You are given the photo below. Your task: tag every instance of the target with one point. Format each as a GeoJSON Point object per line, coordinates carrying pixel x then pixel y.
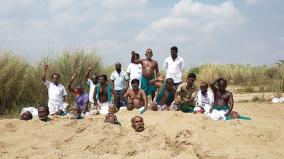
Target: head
{"type": "Point", "coordinates": [191, 77]}
{"type": "Point", "coordinates": [118, 67]}
{"type": "Point", "coordinates": [174, 52]}
{"type": "Point", "coordinates": [204, 87]}
{"type": "Point", "coordinates": [102, 79]}
{"type": "Point", "coordinates": [43, 112]}
{"type": "Point", "coordinates": [137, 123]}
{"type": "Point", "coordinates": [95, 79]}
{"type": "Point", "coordinates": [149, 54]}
{"type": "Point", "coordinates": [222, 84]}
{"type": "Point", "coordinates": [26, 116]}
{"type": "Point", "coordinates": [75, 112]}
{"type": "Point", "coordinates": [79, 89]}
{"type": "Point", "coordinates": [112, 109]}
{"type": "Point", "coordinates": [136, 56]}
{"type": "Point", "coordinates": [170, 84]}
{"type": "Point", "coordinates": [135, 84]}
{"type": "Point", "coordinates": [55, 78]}
{"type": "Point", "coordinates": [111, 118]}
{"type": "Point", "coordinates": [130, 104]}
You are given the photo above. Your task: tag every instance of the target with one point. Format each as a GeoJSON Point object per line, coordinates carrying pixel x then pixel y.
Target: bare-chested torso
{"type": "Point", "coordinates": [148, 68]}
{"type": "Point", "coordinates": [103, 94]}
{"type": "Point", "coordinates": [137, 98]}
{"type": "Point", "coordinates": [222, 99]}
{"type": "Point", "coordinates": [165, 99]}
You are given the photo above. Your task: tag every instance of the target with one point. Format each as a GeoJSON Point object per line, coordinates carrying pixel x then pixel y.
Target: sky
{"type": "Point", "coordinates": [205, 31]}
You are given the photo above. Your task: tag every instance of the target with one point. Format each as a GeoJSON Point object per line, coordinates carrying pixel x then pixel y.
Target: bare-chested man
{"type": "Point", "coordinates": [223, 101]}
{"type": "Point", "coordinates": [150, 70]}
{"type": "Point", "coordinates": [136, 96]}
{"type": "Point", "coordinates": [103, 95]}
{"type": "Point", "coordinates": [165, 95]}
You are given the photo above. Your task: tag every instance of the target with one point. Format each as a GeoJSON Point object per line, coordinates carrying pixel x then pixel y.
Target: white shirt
{"type": "Point", "coordinates": [135, 71]}
{"type": "Point", "coordinates": [92, 89]}
{"type": "Point", "coordinates": [174, 68]}
{"type": "Point", "coordinates": [32, 110]}
{"type": "Point", "coordinates": [207, 99]}
{"type": "Point", "coordinates": [119, 80]}
{"type": "Point", "coordinates": [55, 96]}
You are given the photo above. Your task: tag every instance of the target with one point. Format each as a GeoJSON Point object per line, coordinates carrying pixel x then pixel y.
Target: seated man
{"type": "Point", "coordinates": [137, 123]}
{"type": "Point", "coordinates": [81, 97]}
{"type": "Point", "coordinates": [43, 113]}
{"type": "Point", "coordinates": [165, 95]}
{"type": "Point", "coordinates": [111, 118]}
{"type": "Point", "coordinates": [204, 99]}
{"type": "Point", "coordinates": [28, 113]}
{"type": "Point", "coordinates": [223, 102]}
{"type": "Point", "coordinates": [185, 94]}
{"type": "Point", "coordinates": [103, 95]}
{"type": "Point", "coordinates": [75, 112]}
{"type": "Point", "coordinates": [136, 96]}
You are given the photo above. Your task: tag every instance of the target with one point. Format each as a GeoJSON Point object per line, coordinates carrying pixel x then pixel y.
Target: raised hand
{"type": "Point", "coordinates": [45, 66]}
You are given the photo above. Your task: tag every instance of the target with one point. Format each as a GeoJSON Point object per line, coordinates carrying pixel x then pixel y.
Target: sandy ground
{"type": "Point", "coordinates": [167, 135]}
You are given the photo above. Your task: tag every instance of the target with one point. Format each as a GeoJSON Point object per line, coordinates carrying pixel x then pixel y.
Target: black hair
{"type": "Point", "coordinates": [192, 75]}
{"type": "Point", "coordinates": [222, 79]}
{"type": "Point", "coordinates": [169, 80]}
{"type": "Point", "coordinates": [55, 74]}
{"type": "Point", "coordinates": [135, 80]}
{"type": "Point", "coordinates": [174, 48]}
{"type": "Point", "coordinates": [104, 76]}
{"type": "Point", "coordinates": [45, 107]}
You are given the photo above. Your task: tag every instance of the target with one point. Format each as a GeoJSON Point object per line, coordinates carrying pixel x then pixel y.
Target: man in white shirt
{"type": "Point", "coordinates": [120, 82]}
{"type": "Point", "coordinates": [57, 95]}
{"type": "Point", "coordinates": [174, 66]}
{"type": "Point", "coordinates": [204, 99]}
{"type": "Point", "coordinates": [134, 70]}
{"type": "Point", "coordinates": [92, 82]}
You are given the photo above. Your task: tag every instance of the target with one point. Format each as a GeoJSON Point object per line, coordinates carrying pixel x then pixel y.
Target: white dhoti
{"type": "Point", "coordinates": [218, 114]}
{"type": "Point", "coordinates": [103, 107]}
{"type": "Point", "coordinates": [205, 107]}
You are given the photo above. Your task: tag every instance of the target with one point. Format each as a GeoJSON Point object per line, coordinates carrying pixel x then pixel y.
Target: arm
{"type": "Point", "coordinates": [157, 70]}
{"type": "Point", "coordinates": [165, 65]}
{"type": "Point", "coordinates": [44, 73]}
{"type": "Point", "coordinates": [88, 73]}
{"type": "Point", "coordinates": [182, 65]}
{"type": "Point", "coordinates": [231, 104]}
{"type": "Point", "coordinates": [212, 85]}
{"type": "Point", "coordinates": [126, 94]}
{"type": "Point", "coordinates": [145, 99]}
{"type": "Point", "coordinates": [85, 108]}
{"type": "Point", "coordinates": [70, 83]}
{"type": "Point", "coordinates": [95, 96]}
{"type": "Point", "coordinates": [112, 84]}
{"type": "Point", "coordinates": [157, 82]}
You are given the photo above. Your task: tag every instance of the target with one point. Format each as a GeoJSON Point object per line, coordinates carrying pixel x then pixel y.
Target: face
{"type": "Point", "coordinates": [110, 118]}
{"type": "Point", "coordinates": [26, 116]}
{"type": "Point", "coordinates": [75, 112]}
{"type": "Point", "coordinates": [102, 80]}
{"type": "Point", "coordinates": [203, 87]}
{"type": "Point", "coordinates": [136, 57]}
{"type": "Point", "coordinates": [112, 109]}
{"type": "Point", "coordinates": [130, 105]}
{"type": "Point", "coordinates": [174, 54]}
{"type": "Point", "coordinates": [95, 80]}
{"type": "Point", "coordinates": [118, 67]}
{"type": "Point", "coordinates": [138, 124]}
{"type": "Point", "coordinates": [55, 79]}
{"type": "Point", "coordinates": [135, 85]}
{"type": "Point", "coordinates": [190, 81]}
{"type": "Point", "coordinates": [79, 90]}
{"type": "Point", "coordinates": [149, 54]}
{"type": "Point", "coordinates": [169, 86]}
{"type": "Point", "coordinates": [42, 113]}
{"type": "Point", "coordinates": [222, 85]}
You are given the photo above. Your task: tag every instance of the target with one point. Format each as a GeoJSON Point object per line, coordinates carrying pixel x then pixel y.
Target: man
{"type": "Point", "coordinates": [204, 99]}
{"type": "Point", "coordinates": [28, 113]}
{"type": "Point", "coordinates": [103, 95]}
{"type": "Point", "coordinates": [75, 112]}
{"type": "Point", "coordinates": [57, 95]}
{"type": "Point", "coordinates": [92, 82]}
{"type": "Point", "coordinates": [174, 66]}
{"type": "Point", "coordinates": [150, 70]}
{"type": "Point", "coordinates": [185, 94]}
{"type": "Point", "coordinates": [134, 70]}
{"type": "Point", "coordinates": [223, 101]}
{"type": "Point", "coordinates": [81, 97]}
{"type": "Point", "coordinates": [120, 82]}
{"type": "Point", "coordinates": [137, 123]}
{"type": "Point", "coordinates": [43, 112]}
{"type": "Point", "coordinates": [111, 118]}
{"type": "Point", "coordinates": [136, 96]}
{"type": "Point", "coordinates": [165, 95]}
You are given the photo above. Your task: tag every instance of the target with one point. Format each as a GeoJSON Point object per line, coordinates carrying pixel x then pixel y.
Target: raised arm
{"type": "Point", "coordinates": [145, 99]}
{"type": "Point", "coordinates": [213, 85]}
{"type": "Point", "coordinates": [44, 73]}
{"type": "Point", "coordinates": [158, 82]}
{"type": "Point", "coordinates": [88, 73]}
{"type": "Point", "coordinates": [70, 83]}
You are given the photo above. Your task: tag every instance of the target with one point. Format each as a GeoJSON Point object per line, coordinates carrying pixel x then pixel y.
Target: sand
{"type": "Point", "coordinates": [167, 135]}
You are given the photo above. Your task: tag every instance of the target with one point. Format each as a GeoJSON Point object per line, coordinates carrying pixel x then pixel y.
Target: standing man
{"type": "Point", "coordinates": [134, 70]}
{"type": "Point", "coordinates": [120, 82]}
{"type": "Point", "coordinates": [92, 82]}
{"type": "Point", "coordinates": [150, 70]}
{"type": "Point", "coordinates": [174, 66]}
{"type": "Point", "coordinates": [57, 95]}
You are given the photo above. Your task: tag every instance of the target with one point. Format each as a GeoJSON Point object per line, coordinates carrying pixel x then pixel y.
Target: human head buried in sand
{"type": "Point", "coordinates": [43, 112]}
{"type": "Point", "coordinates": [75, 112]}
{"type": "Point", "coordinates": [111, 118]}
{"type": "Point", "coordinates": [112, 109]}
{"type": "Point", "coordinates": [130, 104]}
{"type": "Point", "coordinates": [26, 116]}
{"type": "Point", "coordinates": [137, 123]}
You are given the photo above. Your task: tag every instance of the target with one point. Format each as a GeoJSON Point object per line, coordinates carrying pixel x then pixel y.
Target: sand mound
{"type": "Point", "coordinates": [167, 135]}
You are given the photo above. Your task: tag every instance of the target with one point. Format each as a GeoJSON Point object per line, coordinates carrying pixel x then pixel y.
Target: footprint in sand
{"type": "Point", "coordinates": [183, 137]}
